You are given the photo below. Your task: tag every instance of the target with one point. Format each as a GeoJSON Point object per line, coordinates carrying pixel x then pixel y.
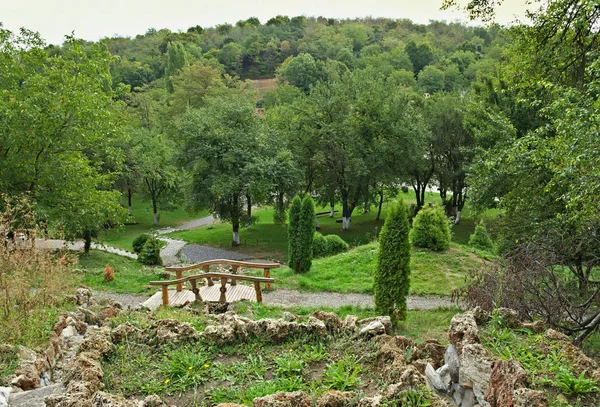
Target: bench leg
{"type": "Point", "coordinates": [234, 270]}
{"type": "Point", "coordinates": [209, 281]}
{"type": "Point", "coordinates": [223, 289]}
{"type": "Point", "coordinates": [196, 290]}
{"type": "Point", "coordinates": [165, 295]}
{"type": "Point", "coordinates": [178, 275]}
{"type": "Point", "coordinates": [258, 292]}
{"type": "Point", "coordinates": [267, 273]}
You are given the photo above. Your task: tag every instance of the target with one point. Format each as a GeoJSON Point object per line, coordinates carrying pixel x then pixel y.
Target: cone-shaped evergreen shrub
{"type": "Point", "coordinates": [293, 225]}
{"type": "Point", "coordinates": [306, 231]}
{"type": "Point", "coordinates": [392, 275]}
{"type": "Point", "coordinates": [430, 229]}
{"type": "Point", "coordinates": [150, 254]}
{"type": "Point", "coordinates": [480, 238]}
{"type": "Point", "coordinates": [139, 242]}
{"type": "Point", "coordinates": [330, 245]}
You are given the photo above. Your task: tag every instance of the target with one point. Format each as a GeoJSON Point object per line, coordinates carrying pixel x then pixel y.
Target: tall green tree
{"type": "Point", "coordinates": [306, 231]}
{"type": "Point", "coordinates": [392, 275]}
{"type": "Point", "coordinates": [293, 232]}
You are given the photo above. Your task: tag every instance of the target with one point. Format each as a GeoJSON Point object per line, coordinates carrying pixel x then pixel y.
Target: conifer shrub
{"type": "Point", "coordinates": [306, 231]}
{"type": "Point", "coordinates": [430, 229]}
{"type": "Point", "coordinates": [480, 239]}
{"type": "Point", "coordinates": [139, 242]}
{"type": "Point", "coordinates": [392, 275]}
{"type": "Point", "coordinates": [324, 246]}
{"type": "Point", "coordinates": [150, 254]}
{"type": "Point", "coordinates": [292, 231]}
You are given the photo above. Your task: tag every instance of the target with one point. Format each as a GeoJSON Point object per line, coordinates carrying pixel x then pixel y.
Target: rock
{"type": "Point", "coordinates": [331, 320]}
{"type": "Point", "coordinates": [289, 317]}
{"type": "Point", "coordinates": [555, 335]}
{"type": "Point", "coordinates": [4, 394]}
{"type": "Point", "coordinates": [294, 399]}
{"type": "Point", "coordinates": [84, 374]}
{"type": "Point", "coordinates": [334, 398]}
{"type": "Point", "coordinates": [68, 400]}
{"type": "Point", "coordinates": [468, 399]}
{"type": "Point", "coordinates": [101, 399]}
{"type": "Point", "coordinates": [109, 312]}
{"type": "Point", "coordinates": [97, 340]}
{"type": "Point", "coordinates": [374, 401]}
{"type": "Point", "coordinates": [350, 323]}
{"type": "Point", "coordinates": [219, 334]}
{"type": "Point", "coordinates": [79, 325]}
{"type": "Point", "coordinates": [29, 370]}
{"type": "Point", "coordinates": [83, 296]}
{"type": "Point", "coordinates": [434, 378]}
{"type": "Point", "coordinates": [230, 405]}
{"type": "Point", "coordinates": [506, 377]}
{"type": "Point", "coordinates": [431, 350]}
{"type": "Point", "coordinates": [457, 393]}
{"type": "Point", "coordinates": [444, 374]}
{"type": "Point", "coordinates": [409, 379]}
{"type": "Point", "coordinates": [35, 398]}
{"type": "Point", "coordinates": [171, 331]}
{"type": "Point", "coordinates": [155, 401]}
{"type": "Point", "coordinates": [317, 327]}
{"type": "Point", "coordinates": [509, 317]}
{"type": "Point", "coordinates": [481, 316]}
{"type": "Point", "coordinates": [475, 366]}
{"type": "Point", "coordinates": [529, 398]}
{"type": "Point", "coordinates": [392, 357]}
{"type": "Point", "coordinates": [463, 331]}
{"type": "Point", "coordinates": [535, 326]}
{"type": "Point", "coordinates": [124, 333]}
{"type": "Point", "coordinates": [373, 328]}
{"type": "Point", "coordinates": [385, 321]}
{"type": "Point", "coordinates": [451, 359]}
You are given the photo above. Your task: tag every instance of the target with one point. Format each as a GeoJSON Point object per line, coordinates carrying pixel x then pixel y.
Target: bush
{"type": "Point", "coordinates": [293, 223]}
{"type": "Point", "coordinates": [392, 275]}
{"type": "Point", "coordinates": [430, 229]}
{"type": "Point", "coordinates": [404, 188]}
{"type": "Point", "coordinates": [324, 246]}
{"type": "Point", "coordinates": [150, 254]}
{"type": "Point", "coordinates": [139, 242]}
{"type": "Point", "coordinates": [300, 234]}
{"type": "Point", "coordinates": [480, 239]}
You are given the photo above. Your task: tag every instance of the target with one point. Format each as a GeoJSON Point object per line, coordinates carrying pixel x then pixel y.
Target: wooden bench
{"type": "Point", "coordinates": [235, 265]}
{"type": "Point", "coordinates": [224, 277]}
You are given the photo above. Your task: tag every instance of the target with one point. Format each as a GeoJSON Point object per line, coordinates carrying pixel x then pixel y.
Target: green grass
{"type": "Point", "coordinates": [144, 223]}
{"type": "Point", "coordinates": [130, 275]}
{"type": "Point", "coordinates": [432, 273]}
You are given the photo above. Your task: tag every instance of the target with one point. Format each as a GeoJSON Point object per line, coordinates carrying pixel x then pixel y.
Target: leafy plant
{"type": "Point", "coordinates": [314, 353]}
{"type": "Point", "coordinates": [330, 245]}
{"type": "Point", "coordinates": [343, 374]}
{"type": "Point", "coordinates": [289, 364]}
{"type": "Point", "coordinates": [480, 239]}
{"type": "Point", "coordinates": [139, 242]}
{"type": "Point", "coordinates": [430, 229]}
{"type": "Point", "coordinates": [570, 384]}
{"type": "Point", "coordinates": [150, 254]}
{"type": "Point", "coordinates": [186, 368]}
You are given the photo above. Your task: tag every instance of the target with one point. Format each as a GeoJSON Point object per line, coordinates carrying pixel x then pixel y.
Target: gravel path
{"type": "Point", "coordinates": [195, 253]}
{"type": "Point", "coordinates": [169, 253]}
{"type": "Point", "coordinates": [193, 224]}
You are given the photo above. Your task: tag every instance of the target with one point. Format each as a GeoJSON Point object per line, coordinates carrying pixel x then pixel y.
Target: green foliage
{"type": "Point", "coordinates": [392, 276]}
{"type": "Point", "coordinates": [570, 384]}
{"type": "Point", "coordinates": [329, 245]}
{"type": "Point", "coordinates": [481, 239]}
{"type": "Point", "coordinates": [344, 374]}
{"type": "Point", "coordinates": [139, 242]}
{"type": "Point", "coordinates": [289, 364]}
{"type": "Point", "coordinates": [150, 254]}
{"type": "Point", "coordinates": [430, 229]}
{"type": "Point", "coordinates": [293, 231]}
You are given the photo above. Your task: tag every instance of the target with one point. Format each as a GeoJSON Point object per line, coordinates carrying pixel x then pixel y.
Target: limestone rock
{"type": "Point", "coordinates": [434, 378]}
{"type": "Point", "coordinates": [409, 379]}
{"type": "Point", "coordinates": [331, 320]}
{"type": "Point", "coordinates": [481, 316]}
{"type": "Point", "coordinates": [372, 328]}
{"type": "Point", "coordinates": [125, 332]}
{"type": "Point", "coordinates": [171, 331]}
{"type": "Point", "coordinates": [334, 398]}
{"type": "Point", "coordinates": [506, 377]}
{"type": "Point", "coordinates": [374, 401]}
{"type": "Point", "coordinates": [289, 317]}
{"type": "Point", "coordinates": [155, 401]}
{"type": "Point", "coordinates": [294, 399]}
{"type": "Point", "coordinates": [97, 340]}
{"type": "Point", "coordinates": [101, 399]}
{"type": "Point", "coordinates": [86, 369]}
{"type": "Point", "coordinates": [4, 394]}
{"type": "Point", "coordinates": [230, 405]}
{"type": "Point", "coordinates": [509, 317]}
{"type": "Point", "coordinates": [535, 326]}
{"type": "Point", "coordinates": [350, 323]}
{"type": "Point", "coordinates": [385, 321]}
{"type": "Point", "coordinates": [392, 358]}
{"type": "Point", "coordinates": [29, 370]}
{"type": "Point", "coordinates": [555, 335]}
{"type": "Point", "coordinates": [525, 397]}
{"type": "Point", "coordinates": [83, 296]}
{"type": "Point", "coordinates": [451, 359]}
{"type": "Point", "coordinates": [219, 334]}
{"type": "Point", "coordinates": [475, 366]}
{"type": "Point", "coordinates": [431, 350]}
{"type": "Point", "coordinates": [463, 331]}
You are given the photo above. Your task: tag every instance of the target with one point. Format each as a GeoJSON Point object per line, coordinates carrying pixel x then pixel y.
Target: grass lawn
{"type": "Point", "coordinates": [143, 218]}
{"type": "Point", "coordinates": [433, 273]}
{"type": "Point", "coordinates": [130, 275]}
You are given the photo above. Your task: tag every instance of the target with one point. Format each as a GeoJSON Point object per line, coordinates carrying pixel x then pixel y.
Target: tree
{"type": "Point", "coordinates": [431, 79]}
{"type": "Point", "coordinates": [392, 275]}
{"type": "Point", "coordinates": [222, 142]}
{"type": "Point", "coordinates": [176, 59]}
{"type": "Point", "coordinates": [430, 229]}
{"type": "Point", "coordinates": [293, 231]}
{"type": "Point", "coordinates": [306, 231]}
{"type": "Point", "coordinates": [60, 130]}
{"type": "Point", "coordinates": [300, 71]}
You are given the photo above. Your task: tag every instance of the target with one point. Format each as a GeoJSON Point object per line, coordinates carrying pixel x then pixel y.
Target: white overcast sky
{"type": "Point", "coordinates": [95, 19]}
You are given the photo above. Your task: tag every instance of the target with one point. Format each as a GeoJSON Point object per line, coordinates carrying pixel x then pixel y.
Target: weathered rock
{"type": "Point", "coordinates": [109, 311]}
{"type": "Point", "coordinates": [125, 332]}
{"type": "Point", "coordinates": [230, 405]}
{"type": "Point", "coordinates": [84, 296]}
{"type": "Point", "coordinates": [475, 366]}
{"type": "Point", "coordinates": [155, 401]}
{"type": "Point", "coordinates": [219, 334]}
{"type": "Point", "coordinates": [410, 378]}
{"type": "Point", "coordinates": [34, 398]}
{"type": "Point", "coordinates": [68, 400]}
{"type": "Point", "coordinates": [468, 399]}
{"type": "Point", "coordinates": [555, 335]}
{"type": "Point", "coordinates": [171, 331]}
{"type": "Point", "coordinates": [374, 401]}
{"type": "Point", "coordinates": [334, 398]}
{"type": "Point", "coordinates": [434, 378]}
{"type": "Point", "coordinates": [4, 394]}
{"type": "Point", "coordinates": [317, 327]}
{"type": "Point", "coordinates": [372, 328]}
{"type": "Point", "coordinates": [525, 397]}
{"type": "Point", "coordinates": [444, 373]}
{"type": "Point", "coordinates": [535, 326]}
{"type": "Point", "coordinates": [350, 323]}
{"type": "Point", "coordinates": [481, 316]}
{"type": "Point", "coordinates": [294, 399]}
{"type": "Point", "coordinates": [97, 340]}
{"type": "Point", "coordinates": [84, 368]}
{"type": "Point", "coordinates": [79, 325]}
{"type": "Point", "coordinates": [331, 320]}
{"type": "Point", "coordinates": [451, 359]}
{"type": "Point", "coordinates": [463, 331]}
{"type": "Point", "coordinates": [385, 321]}
{"type": "Point", "coordinates": [510, 317]}
{"type": "Point", "coordinates": [101, 399]}
{"type": "Point", "coordinates": [506, 377]}
{"type": "Point", "coordinates": [27, 375]}
{"type": "Point", "coordinates": [431, 350]}
{"type": "Point", "coordinates": [392, 358]}
{"type": "Point", "coordinates": [289, 317]}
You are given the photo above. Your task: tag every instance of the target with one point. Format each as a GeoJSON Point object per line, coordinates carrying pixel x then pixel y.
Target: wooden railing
{"type": "Point", "coordinates": [224, 277]}
{"type": "Point", "coordinates": [235, 265]}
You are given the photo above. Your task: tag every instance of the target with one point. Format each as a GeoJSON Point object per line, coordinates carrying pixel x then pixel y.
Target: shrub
{"type": "Point", "coordinates": [109, 274]}
{"type": "Point", "coordinates": [404, 188]}
{"type": "Point", "coordinates": [150, 254]}
{"type": "Point", "coordinates": [392, 275]}
{"type": "Point", "coordinates": [139, 242]}
{"type": "Point", "coordinates": [324, 246]}
{"type": "Point", "coordinates": [430, 229]}
{"type": "Point", "coordinates": [293, 224]}
{"type": "Point", "coordinates": [480, 238]}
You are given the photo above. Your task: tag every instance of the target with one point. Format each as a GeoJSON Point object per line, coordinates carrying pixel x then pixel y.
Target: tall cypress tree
{"type": "Point", "coordinates": [392, 276]}
{"type": "Point", "coordinates": [293, 226]}
{"type": "Point", "coordinates": [306, 231]}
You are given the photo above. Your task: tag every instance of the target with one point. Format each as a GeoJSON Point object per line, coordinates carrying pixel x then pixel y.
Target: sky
{"type": "Point", "coordinates": [95, 19]}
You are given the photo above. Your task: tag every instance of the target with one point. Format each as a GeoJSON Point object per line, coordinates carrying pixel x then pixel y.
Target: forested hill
{"type": "Point", "coordinates": [433, 57]}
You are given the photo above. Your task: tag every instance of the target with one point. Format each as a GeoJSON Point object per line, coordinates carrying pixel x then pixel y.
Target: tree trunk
{"type": "Point", "coordinates": [248, 212]}
{"type": "Point", "coordinates": [380, 204]}
{"type": "Point", "coordinates": [235, 221]}
{"type": "Point", "coordinates": [87, 236]}
{"type": "Point", "coordinates": [129, 205]}
{"type": "Point", "coordinates": [155, 211]}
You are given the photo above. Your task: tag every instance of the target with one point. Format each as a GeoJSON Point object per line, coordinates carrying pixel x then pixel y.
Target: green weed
{"type": "Point", "coordinates": [344, 374]}
{"type": "Point", "coordinates": [289, 364]}
{"type": "Point", "coordinates": [570, 384]}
